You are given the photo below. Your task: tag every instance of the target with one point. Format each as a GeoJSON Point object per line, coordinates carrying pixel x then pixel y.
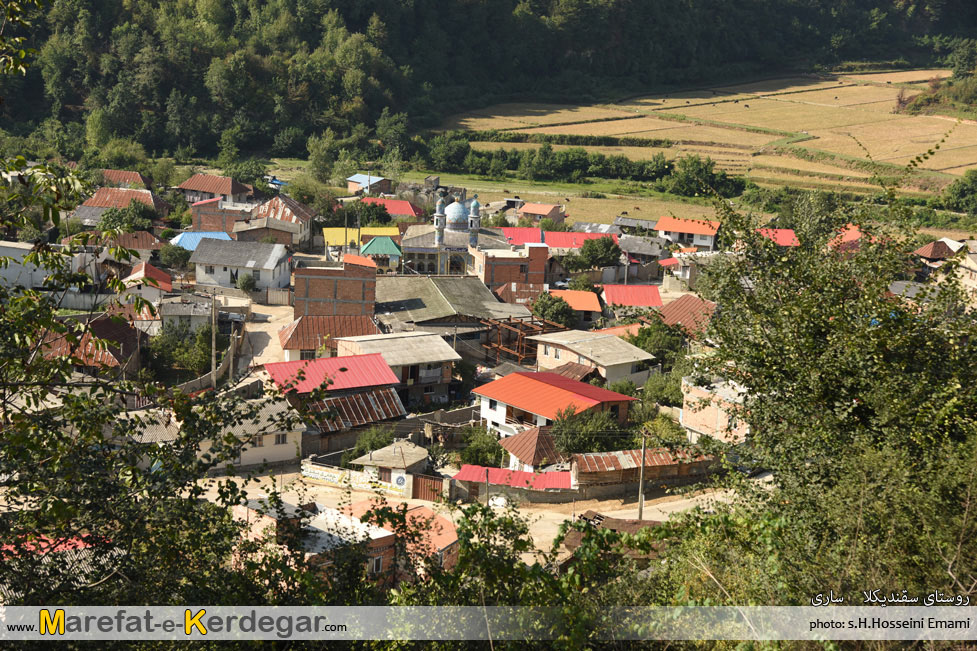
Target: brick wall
{"type": "Point", "coordinates": [208, 217]}
{"type": "Point", "coordinates": [327, 291]}
{"type": "Point", "coordinates": [258, 234]}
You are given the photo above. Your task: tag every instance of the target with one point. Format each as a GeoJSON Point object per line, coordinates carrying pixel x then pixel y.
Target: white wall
{"type": "Point", "coordinates": [269, 452]}
{"type": "Point", "coordinates": [270, 278]}
{"type": "Point", "coordinates": [492, 416]}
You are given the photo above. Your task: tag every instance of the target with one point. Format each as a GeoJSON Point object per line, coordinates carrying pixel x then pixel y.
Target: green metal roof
{"type": "Point", "coordinates": [380, 245]}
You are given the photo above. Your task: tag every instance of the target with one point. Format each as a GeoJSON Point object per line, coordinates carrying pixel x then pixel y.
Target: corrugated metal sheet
{"type": "Point", "coordinates": [125, 178]}
{"type": "Point", "coordinates": [630, 459]}
{"type": "Point", "coordinates": [396, 207]}
{"type": "Point", "coordinates": [514, 478]}
{"type": "Point", "coordinates": [351, 372]}
{"type": "Point", "coordinates": [189, 241]}
{"type": "Point", "coordinates": [556, 239]}
{"type": "Point", "coordinates": [581, 301]}
{"type": "Point", "coordinates": [145, 270]}
{"type": "Point", "coordinates": [689, 311]}
{"type": "Point", "coordinates": [362, 408]}
{"type": "Point", "coordinates": [311, 332]}
{"type": "Point", "coordinates": [122, 197]}
{"type": "Point", "coordinates": [213, 184]}
{"type": "Point", "coordinates": [534, 446]}
{"type": "Point", "coordinates": [671, 224]}
{"type": "Point", "coordinates": [781, 236]}
{"type": "Point", "coordinates": [546, 394]}
{"type": "Point", "coordinates": [284, 209]}
{"type": "Point", "coordinates": [632, 295]}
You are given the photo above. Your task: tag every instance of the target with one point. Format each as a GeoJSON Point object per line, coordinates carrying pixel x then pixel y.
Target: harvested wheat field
{"type": "Point", "coordinates": [607, 127]}
{"type": "Point", "coordinates": [776, 86]}
{"type": "Point", "coordinates": [813, 167]}
{"type": "Point", "coordinates": [511, 116]}
{"type": "Point", "coordinates": [899, 77]}
{"type": "Point", "coordinates": [634, 153]}
{"type": "Point", "coordinates": [846, 96]}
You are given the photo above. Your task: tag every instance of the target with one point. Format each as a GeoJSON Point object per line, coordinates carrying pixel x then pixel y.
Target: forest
{"type": "Point", "coordinates": [187, 78]}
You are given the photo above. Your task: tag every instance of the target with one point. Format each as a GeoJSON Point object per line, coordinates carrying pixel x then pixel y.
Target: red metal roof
{"type": "Point", "coordinates": [122, 197]}
{"type": "Point", "coordinates": [668, 262]}
{"type": "Point", "coordinates": [671, 224]}
{"type": "Point", "coordinates": [689, 311]}
{"type": "Point", "coordinates": [628, 459]}
{"type": "Point", "coordinates": [351, 372]}
{"type": "Point", "coordinates": [515, 478]}
{"type": "Point", "coordinates": [119, 340]}
{"type": "Point", "coordinates": [360, 408]}
{"type": "Point", "coordinates": [781, 236]}
{"type": "Point", "coordinates": [556, 239]}
{"type": "Point", "coordinates": [206, 201]}
{"type": "Point", "coordinates": [311, 332]}
{"type": "Point", "coordinates": [934, 251]}
{"type": "Point", "coordinates": [534, 446]}
{"type": "Point", "coordinates": [632, 295]}
{"type": "Point", "coordinates": [146, 270]}
{"type": "Point", "coordinates": [546, 394]}
{"type": "Point", "coordinates": [125, 178]}
{"type": "Point", "coordinates": [359, 260]}
{"type": "Point", "coordinates": [579, 300]}
{"type": "Point", "coordinates": [396, 207]}
{"type": "Point", "coordinates": [214, 184]}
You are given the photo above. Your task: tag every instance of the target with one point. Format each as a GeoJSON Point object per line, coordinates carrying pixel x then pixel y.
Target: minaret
{"type": "Point", "coordinates": [474, 222]}
{"type": "Point", "coordinates": [439, 221]}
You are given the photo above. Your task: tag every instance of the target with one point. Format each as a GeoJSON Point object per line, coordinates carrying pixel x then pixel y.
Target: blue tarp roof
{"type": "Point", "coordinates": [189, 241]}
{"type": "Point", "coordinates": [363, 179]}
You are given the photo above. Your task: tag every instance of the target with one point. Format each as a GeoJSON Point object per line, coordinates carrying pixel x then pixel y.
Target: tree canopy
{"type": "Point", "coordinates": [555, 309]}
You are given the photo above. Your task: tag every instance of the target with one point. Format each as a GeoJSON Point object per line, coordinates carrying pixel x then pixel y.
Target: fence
{"type": "Point", "coordinates": [278, 296]}
{"type": "Point", "coordinates": [204, 381]}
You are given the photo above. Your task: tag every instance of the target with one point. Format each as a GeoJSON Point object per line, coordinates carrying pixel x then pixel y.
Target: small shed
{"type": "Point", "coordinates": [402, 456]}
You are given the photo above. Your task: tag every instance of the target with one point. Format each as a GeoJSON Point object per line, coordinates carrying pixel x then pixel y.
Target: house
{"type": "Point", "coordinates": [90, 211]}
{"type": "Point", "coordinates": [308, 337]}
{"type": "Point", "coordinates": [780, 236]}
{"type": "Point", "coordinates": [109, 346]}
{"type": "Point", "coordinates": [223, 263]}
{"type": "Point", "coordinates": [455, 307]}
{"type": "Point", "coordinates": [217, 215]}
{"type": "Point", "coordinates": [532, 450]}
{"type": "Point", "coordinates": [614, 358]}
{"type": "Point", "coordinates": [540, 211]}
{"type": "Point", "coordinates": [629, 330]}
{"type": "Point", "coordinates": [574, 537]}
{"type": "Point", "coordinates": [700, 233]}
{"type": "Point", "coordinates": [560, 240]}
{"type": "Point", "coordinates": [523, 400]}
{"type": "Point", "coordinates": [18, 272]}
{"type": "Point", "coordinates": [325, 531]}
{"type": "Point", "coordinates": [632, 226]}
{"type": "Point", "coordinates": [442, 247]}
{"type": "Point", "coordinates": [384, 252]}
{"type": "Point", "coordinates": [144, 320]}
{"type": "Point", "coordinates": [149, 282]}
{"type": "Point", "coordinates": [185, 311]}
{"type": "Point", "coordinates": [396, 207]}
{"type": "Point", "coordinates": [688, 312]}
{"type": "Point", "coordinates": [520, 293]}
{"type": "Point", "coordinates": [585, 305]}
{"type": "Point", "coordinates": [593, 227]}
{"type": "Point", "coordinates": [684, 268]}
{"type": "Point", "coordinates": [402, 456]}
{"type": "Point", "coordinates": [191, 239]}
{"type": "Point", "coordinates": [282, 218]}
{"type": "Point", "coordinates": [361, 391]}
{"type": "Point", "coordinates": [202, 187]}
{"type": "Point", "coordinates": [934, 254]}
{"type": "Point", "coordinates": [422, 363]}
{"type": "Point", "coordinates": [525, 264]}
{"type": "Point", "coordinates": [346, 288]}
{"type": "Point", "coordinates": [645, 297]}
{"type": "Point", "coordinates": [711, 411]}
{"type": "Point", "coordinates": [125, 179]}
{"type": "Point", "coordinates": [438, 536]}
{"type": "Point", "coordinates": [368, 184]}
{"type": "Point", "coordinates": [639, 253]}
{"type": "Point", "coordinates": [623, 468]}
{"type": "Point", "coordinates": [142, 245]}
{"type": "Point", "coordinates": [338, 236]}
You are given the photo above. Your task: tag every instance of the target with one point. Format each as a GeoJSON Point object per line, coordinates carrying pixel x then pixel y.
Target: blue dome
{"type": "Point", "coordinates": [457, 218]}
{"type": "Point", "coordinates": [475, 207]}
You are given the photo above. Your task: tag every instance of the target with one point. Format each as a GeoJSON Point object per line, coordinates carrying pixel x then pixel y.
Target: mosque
{"type": "Point", "coordinates": [441, 248]}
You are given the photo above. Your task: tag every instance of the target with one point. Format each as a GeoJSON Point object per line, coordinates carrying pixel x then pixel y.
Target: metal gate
{"type": "Point", "coordinates": [427, 488]}
{"type": "Point", "coordinates": [279, 296]}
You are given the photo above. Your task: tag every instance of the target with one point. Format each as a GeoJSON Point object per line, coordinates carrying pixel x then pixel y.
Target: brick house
{"type": "Point", "coordinates": [540, 211]}
{"type": "Point", "coordinates": [213, 215]}
{"type": "Point", "coordinates": [286, 220]}
{"type": "Point", "coordinates": [711, 411]}
{"type": "Point", "coordinates": [201, 187]}
{"type": "Point", "coordinates": [495, 266]}
{"type": "Point", "coordinates": [335, 289]}
{"type": "Point", "coordinates": [309, 337]}
{"type": "Point", "coordinates": [367, 184]}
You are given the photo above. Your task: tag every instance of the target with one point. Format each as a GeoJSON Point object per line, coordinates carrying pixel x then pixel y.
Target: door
{"type": "Point", "coordinates": [427, 488]}
{"type": "Point", "coordinates": [385, 474]}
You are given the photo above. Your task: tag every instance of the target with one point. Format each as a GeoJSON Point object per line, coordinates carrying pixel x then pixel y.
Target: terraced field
{"type": "Point", "coordinates": [801, 131]}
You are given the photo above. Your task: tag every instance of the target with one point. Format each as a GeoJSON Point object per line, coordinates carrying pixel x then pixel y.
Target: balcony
{"type": "Point", "coordinates": [427, 377]}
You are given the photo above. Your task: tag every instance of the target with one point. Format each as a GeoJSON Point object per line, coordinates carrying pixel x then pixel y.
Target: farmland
{"type": "Point", "coordinates": [815, 132]}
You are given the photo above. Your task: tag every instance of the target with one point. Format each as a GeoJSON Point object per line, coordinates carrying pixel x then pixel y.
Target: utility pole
{"type": "Point", "coordinates": [454, 339]}
{"type": "Point", "coordinates": [486, 488]}
{"type": "Point", "coordinates": [641, 477]}
{"type": "Point", "coordinates": [213, 341]}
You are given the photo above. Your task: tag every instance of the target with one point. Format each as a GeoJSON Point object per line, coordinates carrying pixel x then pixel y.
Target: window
{"type": "Point", "coordinates": [493, 404]}
{"type": "Point", "coordinates": [546, 349]}
{"type": "Point", "coordinates": [377, 565]}
{"type": "Point", "coordinates": [615, 411]}
{"type": "Point", "coordinates": [208, 269]}
{"type": "Point", "coordinates": [429, 389]}
{"type": "Point", "coordinates": [307, 354]}
{"type": "Point", "coordinates": [256, 275]}
{"type": "Point", "coordinates": [588, 316]}
{"type": "Point", "coordinates": [524, 268]}
{"type": "Point", "coordinates": [281, 439]}
{"type": "Point", "coordinates": [556, 353]}
{"type": "Point", "coordinates": [259, 441]}
{"type": "Point", "coordinates": [225, 268]}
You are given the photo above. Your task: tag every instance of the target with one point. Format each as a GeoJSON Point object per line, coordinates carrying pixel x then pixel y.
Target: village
{"type": "Point", "coordinates": [506, 353]}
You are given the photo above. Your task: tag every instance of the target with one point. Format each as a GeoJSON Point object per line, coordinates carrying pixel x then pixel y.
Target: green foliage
{"type": "Point", "coordinates": [963, 58]}
{"type": "Point", "coordinates": [246, 171]}
{"type": "Point", "coordinates": [589, 431]}
{"type": "Point", "coordinates": [961, 195]}
{"type": "Point", "coordinates": [627, 387]}
{"type": "Point", "coordinates": [175, 347]}
{"type": "Point", "coordinates": [663, 389]}
{"type": "Point", "coordinates": [599, 252]}
{"type": "Point", "coordinates": [174, 257]}
{"type": "Point", "coordinates": [696, 176]}
{"type": "Point", "coordinates": [581, 284]}
{"type": "Point", "coordinates": [137, 216]}
{"type": "Point", "coordinates": [555, 309]}
{"type": "Point", "coordinates": [167, 234]}
{"type": "Point", "coordinates": [359, 212]}
{"type": "Point", "coordinates": [666, 343]}
{"type": "Point", "coordinates": [246, 283]}
{"type": "Point", "coordinates": [548, 224]}
{"type": "Point", "coordinates": [481, 448]}
{"type": "Point", "coordinates": [371, 439]}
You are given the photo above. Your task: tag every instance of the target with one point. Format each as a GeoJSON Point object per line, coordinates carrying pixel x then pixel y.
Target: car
{"type": "Point", "coordinates": [561, 284]}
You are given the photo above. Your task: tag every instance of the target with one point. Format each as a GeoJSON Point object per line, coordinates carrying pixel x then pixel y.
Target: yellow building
{"type": "Point", "coordinates": [352, 236]}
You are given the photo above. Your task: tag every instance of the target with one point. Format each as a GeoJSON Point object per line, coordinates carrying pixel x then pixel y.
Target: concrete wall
{"type": "Point", "coordinates": [703, 413]}
{"type": "Point", "coordinates": [400, 484]}
{"type": "Point", "coordinates": [225, 276]}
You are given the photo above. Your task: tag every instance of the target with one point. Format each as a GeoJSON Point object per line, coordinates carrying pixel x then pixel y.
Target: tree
{"type": "Point", "coordinates": [344, 167]}
{"type": "Point", "coordinates": [246, 283]}
{"type": "Point", "coordinates": [961, 195]}
{"type": "Point", "coordinates": [547, 224]}
{"type": "Point", "coordinates": [581, 284]}
{"type": "Point", "coordinates": [587, 431]}
{"type": "Point", "coordinates": [666, 343]}
{"type": "Point", "coordinates": [322, 154]}
{"type": "Point", "coordinates": [371, 439]}
{"type": "Point", "coordinates": [246, 171]}
{"type": "Point", "coordinates": [663, 389]}
{"type": "Point", "coordinates": [555, 309]}
{"type": "Point", "coordinates": [600, 252]}
{"type": "Point", "coordinates": [391, 130]}
{"type": "Point", "coordinates": [481, 448]}
{"type": "Point", "coordinates": [137, 216]}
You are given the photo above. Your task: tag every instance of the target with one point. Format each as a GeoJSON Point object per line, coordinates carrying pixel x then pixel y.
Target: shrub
{"type": "Point", "coordinates": [246, 283]}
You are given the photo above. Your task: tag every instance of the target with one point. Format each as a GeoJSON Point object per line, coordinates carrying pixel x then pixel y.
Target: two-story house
{"type": "Point", "coordinates": [712, 410]}
{"type": "Point", "coordinates": [422, 361]}
{"type": "Point", "coordinates": [700, 233]}
{"type": "Point", "coordinates": [201, 187]}
{"type": "Point", "coordinates": [614, 358]}
{"type": "Point", "coordinates": [522, 401]}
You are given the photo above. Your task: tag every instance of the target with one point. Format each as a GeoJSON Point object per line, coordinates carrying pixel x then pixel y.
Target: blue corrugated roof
{"type": "Point", "coordinates": [189, 241]}
{"type": "Point", "coordinates": [363, 179]}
